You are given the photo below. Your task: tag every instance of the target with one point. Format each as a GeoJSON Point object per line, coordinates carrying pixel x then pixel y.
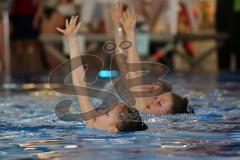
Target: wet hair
{"type": "Point", "coordinates": [180, 104]}
{"type": "Point", "coordinates": [131, 121]}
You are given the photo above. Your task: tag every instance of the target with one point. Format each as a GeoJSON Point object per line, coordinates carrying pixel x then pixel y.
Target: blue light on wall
{"type": "Point", "coordinates": [108, 74]}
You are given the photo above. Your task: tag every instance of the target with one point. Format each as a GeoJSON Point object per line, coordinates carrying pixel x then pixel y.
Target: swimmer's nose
{"type": "Point", "coordinates": [152, 100]}
{"type": "Point", "coordinates": [121, 107]}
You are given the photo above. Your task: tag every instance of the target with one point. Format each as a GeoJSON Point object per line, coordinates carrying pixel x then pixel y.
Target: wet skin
{"type": "Point", "coordinates": [164, 104]}
{"type": "Point", "coordinates": [110, 120]}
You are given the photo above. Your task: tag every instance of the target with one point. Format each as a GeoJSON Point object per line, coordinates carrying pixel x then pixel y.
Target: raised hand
{"type": "Point", "coordinates": [116, 12]}
{"type": "Point", "coordinates": [72, 27]}
{"type": "Point", "coordinates": [128, 21]}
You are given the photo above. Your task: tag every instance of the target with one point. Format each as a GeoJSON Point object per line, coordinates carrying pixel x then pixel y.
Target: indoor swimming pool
{"type": "Point", "coordinates": [29, 128]}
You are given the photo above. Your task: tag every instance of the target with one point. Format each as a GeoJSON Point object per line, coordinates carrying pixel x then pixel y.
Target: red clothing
{"type": "Point", "coordinates": [183, 14]}
{"type": "Point", "coordinates": [24, 7]}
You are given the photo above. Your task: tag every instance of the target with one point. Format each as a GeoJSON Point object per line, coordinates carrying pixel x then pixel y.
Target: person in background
{"type": "Point", "coordinates": [185, 27]}
{"type": "Point", "coordinates": [22, 15]}
{"type": "Point", "coordinates": [1, 45]}
{"type": "Point", "coordinates": [52, 14]}
{"type": "Point", "coordinates": [25, 47]}
{"type": "Point", "coordinates": [224, 15]}
{"type": "Point", "coordinates": [228, 21]}
{"type": "Point", "coordinates": [1, 39]}
{"type": "Point", "coordinates": [235, 33]}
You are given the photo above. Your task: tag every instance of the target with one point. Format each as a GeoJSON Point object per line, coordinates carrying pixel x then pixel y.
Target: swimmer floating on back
{"type": "Point", "coordinates": [122, 117]}
{"type": "Point", "coordinates": [165, 103]}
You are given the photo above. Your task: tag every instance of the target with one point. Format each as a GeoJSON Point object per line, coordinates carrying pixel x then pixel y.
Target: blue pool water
{"type": "Point", "coordinates": [29, 129]}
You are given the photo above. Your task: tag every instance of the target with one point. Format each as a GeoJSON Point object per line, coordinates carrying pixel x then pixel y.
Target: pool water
{"type": "Point", "coordinates": [29, 129]}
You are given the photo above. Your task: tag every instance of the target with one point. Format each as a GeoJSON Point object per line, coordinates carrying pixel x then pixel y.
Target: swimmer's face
{"type": "Point", "coordinates": [110, 120]}
{"type": "Point", "coordinates": [162, 104]}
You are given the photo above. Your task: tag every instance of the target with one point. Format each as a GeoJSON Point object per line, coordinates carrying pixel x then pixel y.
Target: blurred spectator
{"type": "Point", "coordinates": [1, 45]}
{"type": "Point", "coordinates": [228, 21]}
{"type": "Point", "coordinates": [185, 26]}
{"type": "Point", "coordinates": [50, 15]}
{"type": "Point", "coordinates": [22, 14]}
{"type": "Point", "coordinates": [235, 33]}
{"type": "Point", "coordinates": [25, 48]}
{"type": "Point", "coordinates": [1, 38]}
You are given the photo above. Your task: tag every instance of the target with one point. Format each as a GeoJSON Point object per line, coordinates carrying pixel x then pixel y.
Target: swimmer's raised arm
{"type": "Point", "coordinates": [124, 29]}
{"type": "Point", "coordinates": [116, 12]}
{"type": "Point", "coordinates": [72, 28]}
{"type": "Point", "coordinates": [128, 22]}
{"type": "Point", "coordinates": [119, 36]}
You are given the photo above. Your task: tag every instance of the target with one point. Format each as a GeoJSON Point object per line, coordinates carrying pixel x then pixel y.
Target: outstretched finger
{"type": "Point", "coordinates": [75, 20]}
{"type": "Point", "coordinates": [66, 23]}
{"type": "Point", "coordinates": [71, 20]}
{"type": "Point", "coordinates": [129, 13]}
{"type": "Point", "coordinates": [135, 17]}
{"type": "Point", "coordinates": [60, 30]}
{"type": "Point", "coordinates": [133, 14]}
{"type": "Point", "coordinates": [125, 17]}
{"type": "Point", "coordinates": [78, 26]}
{"type": "Point", "coordinates": [122, 21]}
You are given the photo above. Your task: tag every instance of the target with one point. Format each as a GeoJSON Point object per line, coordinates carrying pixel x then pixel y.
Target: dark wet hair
{"type": "Point", "coordinates": [181, 104]}
{"type": "Point", "coordinates": [131, 121]}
